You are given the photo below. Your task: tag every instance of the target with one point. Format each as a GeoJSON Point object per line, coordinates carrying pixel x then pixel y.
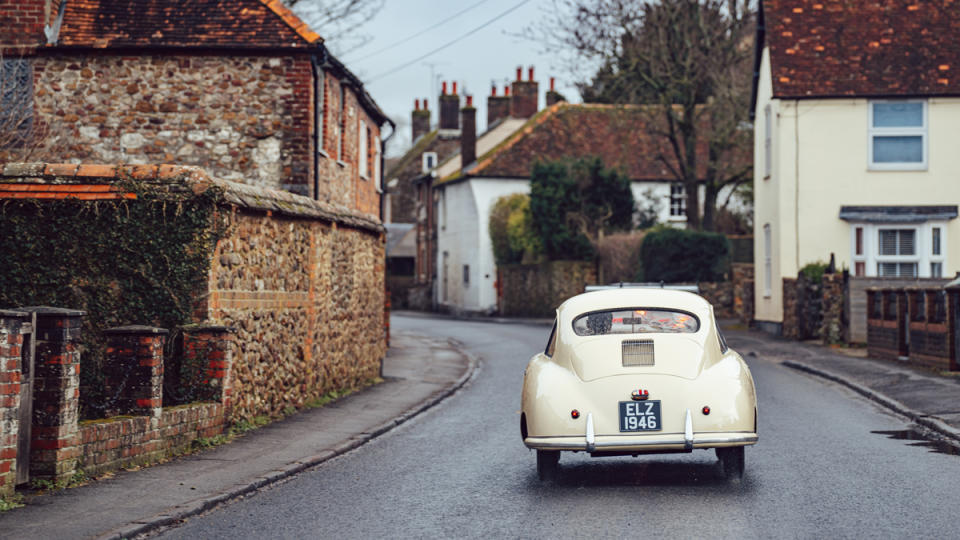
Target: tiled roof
{"type": "Point", "coordinates": [615, 133]}
{"type": "Point", "coordinates": [822, 48]}
{"type": "Point", "coordinates": [203, 23]}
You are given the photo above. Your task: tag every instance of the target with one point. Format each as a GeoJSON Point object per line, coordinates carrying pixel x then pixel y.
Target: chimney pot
{"type": "Point", "coordinates": [506, 90]}
{"type": "Point", "coordinates": [530, 72]}
{"type": "Point", "coordinates": [469, 101]}
{"type": "Point", "coordinates": [551, 84]}
{"type": "Point", "coordinates": [519, 73]}
{"type": "Point", "coordinates": [454, 87]}
{"type": "Point", "coordinates": [416, 104]}
{"type": "Point", "coordinates": [425, 106]}
{"type": "Point", "coordinates": [444, 88]}
{"type": "Point", "coordinates": [493, 90]}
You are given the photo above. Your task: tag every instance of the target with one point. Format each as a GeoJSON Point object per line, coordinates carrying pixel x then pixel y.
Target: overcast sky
{"type": "Point", "coordinates": [489, 54]}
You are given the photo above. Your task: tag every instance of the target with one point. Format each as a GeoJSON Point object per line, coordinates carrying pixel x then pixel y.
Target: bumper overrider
{"type": "Point", "coordinates": [643, 442]}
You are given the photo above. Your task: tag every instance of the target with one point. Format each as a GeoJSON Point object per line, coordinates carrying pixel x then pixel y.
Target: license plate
{"type": "Point", "coordinates": [639, 416]}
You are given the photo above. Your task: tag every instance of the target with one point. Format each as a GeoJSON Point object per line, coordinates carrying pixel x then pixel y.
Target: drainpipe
{"type": "Point", "coordinates": [383, 200]}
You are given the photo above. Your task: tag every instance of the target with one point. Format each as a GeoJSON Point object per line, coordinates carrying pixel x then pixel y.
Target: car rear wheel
{"type": "Point", "coordinates": [733, 462]}
{"type": "Point", "coordinates": [548, 464]}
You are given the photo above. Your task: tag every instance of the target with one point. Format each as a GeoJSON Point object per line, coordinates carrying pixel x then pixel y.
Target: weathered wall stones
{"type": "Point", "coordinates": [306, 298]}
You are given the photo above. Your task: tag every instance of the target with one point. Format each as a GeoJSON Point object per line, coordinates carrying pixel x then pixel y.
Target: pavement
{"type": "Point", "coordinates": [419, 372]}
{"type": "Point", "coordinates": [928, 398]}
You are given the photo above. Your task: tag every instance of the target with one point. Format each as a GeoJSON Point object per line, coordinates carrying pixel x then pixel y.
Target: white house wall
{"type": "Point", "coordinates": [463, 238]}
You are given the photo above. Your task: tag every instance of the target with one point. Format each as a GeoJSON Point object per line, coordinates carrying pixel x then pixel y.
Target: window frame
{"type": "Point", "coordinates": [320, 120]}
{"type": "Point", "coordinates": [767, 141]}
{"type": "Point", "coordinates": [924, 257]}
{"type": "Point", "coordinates": [363, 151]}
{"type": "Point", "coordinates": [678, 201]}
{"type": "Point", "coordinates": [767, 261]}
{"type": "Point", "coordinates": [424, 158]}
{"type": "Point", "coordinates": [17, 95]}
{"type": "Point", "coordinates": [904, 131]}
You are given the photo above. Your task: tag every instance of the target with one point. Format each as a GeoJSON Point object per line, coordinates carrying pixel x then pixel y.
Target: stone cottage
{"type": "Point", "coordinates": [242, 88]}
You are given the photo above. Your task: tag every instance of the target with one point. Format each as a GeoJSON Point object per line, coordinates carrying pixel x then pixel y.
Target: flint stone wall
{"type": "Point", "coordinates": [306, 298]}
{"type": "Point", "coordinates": [536, 290]}
{"type": "Point", "coordinates": [247, 119]}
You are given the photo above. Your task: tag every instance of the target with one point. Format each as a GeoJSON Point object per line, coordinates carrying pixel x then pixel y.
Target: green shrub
{"type": "Point", "coordinates": [574, 202]}
{"type": "Point", "coordinates": [814, 271]}
{"type": "Point", "coordinates": [676, 255]}
{"type": "Point", "coordinates": [513, 239]}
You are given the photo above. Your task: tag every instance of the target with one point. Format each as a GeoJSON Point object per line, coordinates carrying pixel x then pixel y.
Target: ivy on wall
{"type": "Point", "coordinates": [140, 261]}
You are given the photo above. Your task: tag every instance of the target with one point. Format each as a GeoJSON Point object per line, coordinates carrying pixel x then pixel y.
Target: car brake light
{"type": "Point", "coordinates": [706, 410]}
{"type": "Point", "coordinates": [575, 414]}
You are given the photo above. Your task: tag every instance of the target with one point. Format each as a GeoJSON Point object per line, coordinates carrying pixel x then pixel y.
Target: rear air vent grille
{"type": "Point", "coordinates": [638, 352]}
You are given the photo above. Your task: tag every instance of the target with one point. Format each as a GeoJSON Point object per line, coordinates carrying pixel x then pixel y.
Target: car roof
{"type": "Point", "coordinates": [636, 297]}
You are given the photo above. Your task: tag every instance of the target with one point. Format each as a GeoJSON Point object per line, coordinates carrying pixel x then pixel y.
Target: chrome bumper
{"type": "Point", "coordinates": [642, 442]}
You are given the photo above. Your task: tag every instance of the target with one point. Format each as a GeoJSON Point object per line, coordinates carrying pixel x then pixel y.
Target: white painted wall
{"type": "Point", "coordinates": [820, 163]}
{"type": "Point", "coordinates": [463, 238]}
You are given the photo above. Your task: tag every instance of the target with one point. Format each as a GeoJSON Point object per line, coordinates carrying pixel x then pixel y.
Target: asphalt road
{"type": "Point", "coordinates": [460, 470]}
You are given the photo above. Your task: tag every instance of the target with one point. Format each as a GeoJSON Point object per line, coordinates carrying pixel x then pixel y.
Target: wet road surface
{"type": "Point", "coordinates": [829, 463]}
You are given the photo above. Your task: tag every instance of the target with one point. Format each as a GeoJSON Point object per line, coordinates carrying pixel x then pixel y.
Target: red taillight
{"type": "Point", "coordinates": [574, 414]}
{"type": "Point", "coordinates": [706, 410]}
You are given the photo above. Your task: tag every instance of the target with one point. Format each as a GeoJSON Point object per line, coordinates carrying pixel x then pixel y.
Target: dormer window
{"type": "Point", "coordinates": [429, 161]}
{"type": "Point", "coordinates": [898, 135]}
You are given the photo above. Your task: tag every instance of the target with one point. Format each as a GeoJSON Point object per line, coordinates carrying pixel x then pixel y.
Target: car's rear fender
{"type": "Point", "coordinates": [551, 393]}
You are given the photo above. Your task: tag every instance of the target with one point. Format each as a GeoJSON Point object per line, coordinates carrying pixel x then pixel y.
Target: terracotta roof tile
{"type": "Point", "coordinates": [204, 23]}
{"type": "Point", "coordinates": [836, 48]}
{"type": "Point", "coordinates": [612, 132]}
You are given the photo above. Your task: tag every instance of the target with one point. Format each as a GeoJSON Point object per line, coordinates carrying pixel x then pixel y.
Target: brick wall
{"type": "Point", "coordinates": [11, 341]}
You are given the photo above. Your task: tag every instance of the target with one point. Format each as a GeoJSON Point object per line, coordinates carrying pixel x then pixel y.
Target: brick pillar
{"type": "Point", "coordinates": [207, 362]}
{"type": "Point", "coordinates": [11, 341]}
{"type": "Point", "coordinates": [133, 370]}
{"type": "Point", "coordinates": [56, 393]}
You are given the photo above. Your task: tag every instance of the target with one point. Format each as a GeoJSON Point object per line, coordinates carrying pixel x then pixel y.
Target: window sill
{"type": "Point", "coordinates": [892, 167]}
{"type": "Point", "coordinates": [767, 177]}
{"type": "Point", "coordinates": [364, 177]}
{"type": "Point", "coordinates": [342, 164]}
{"type": "Point", "coordinates": [323, 153]}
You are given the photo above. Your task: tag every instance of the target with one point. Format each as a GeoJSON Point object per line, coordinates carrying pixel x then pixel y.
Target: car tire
{"type": "Point", "coordinates": [548, 464]}
{"type": "Point", "coordinates": [733, 461]}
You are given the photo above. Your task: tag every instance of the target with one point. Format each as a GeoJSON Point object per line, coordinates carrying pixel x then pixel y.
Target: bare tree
{"type": "Point", "coordinates": [337, 20]}
{"type": "Point", "coordinates": [688, 61]}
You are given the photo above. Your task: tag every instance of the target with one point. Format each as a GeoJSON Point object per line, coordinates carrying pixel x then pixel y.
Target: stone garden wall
{"type": "Point", "coordinates": [536, 290]}
{"type": "Point", "coordinates": [283, 302]}
{"type": "Point", "coordinates": [306, 298]}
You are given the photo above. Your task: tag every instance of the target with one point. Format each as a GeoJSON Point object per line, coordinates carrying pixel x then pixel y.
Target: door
{"type": "Point", "coordinates": [27, 357]}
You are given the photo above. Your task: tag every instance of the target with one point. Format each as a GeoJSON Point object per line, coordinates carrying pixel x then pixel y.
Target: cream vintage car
{"type": "Point", "coordinates": [637, 371]}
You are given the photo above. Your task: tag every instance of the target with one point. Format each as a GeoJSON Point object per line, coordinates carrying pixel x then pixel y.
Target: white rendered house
{"type": "Point", "coordinates": [856, 129]}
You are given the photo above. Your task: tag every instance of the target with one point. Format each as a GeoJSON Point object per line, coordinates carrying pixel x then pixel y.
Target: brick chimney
{"type": "Point", "coordinates": [24, 21]}
{"type": "Point", "coordinates": [449, 107]}
{"type": "Point", "coordinates": [420, 119]}
{"type": "Point", "coordinates": [525, 98]}
{"type": "Point", "coordinates": [468, 133]}
{"type": "Point", "coordinates": [497, 106]}
{"type": "Point", "coordinates": [553, 96]}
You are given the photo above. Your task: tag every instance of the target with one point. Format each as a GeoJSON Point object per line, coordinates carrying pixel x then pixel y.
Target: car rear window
{"type": "Point", "coordinates": [635, 321]}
